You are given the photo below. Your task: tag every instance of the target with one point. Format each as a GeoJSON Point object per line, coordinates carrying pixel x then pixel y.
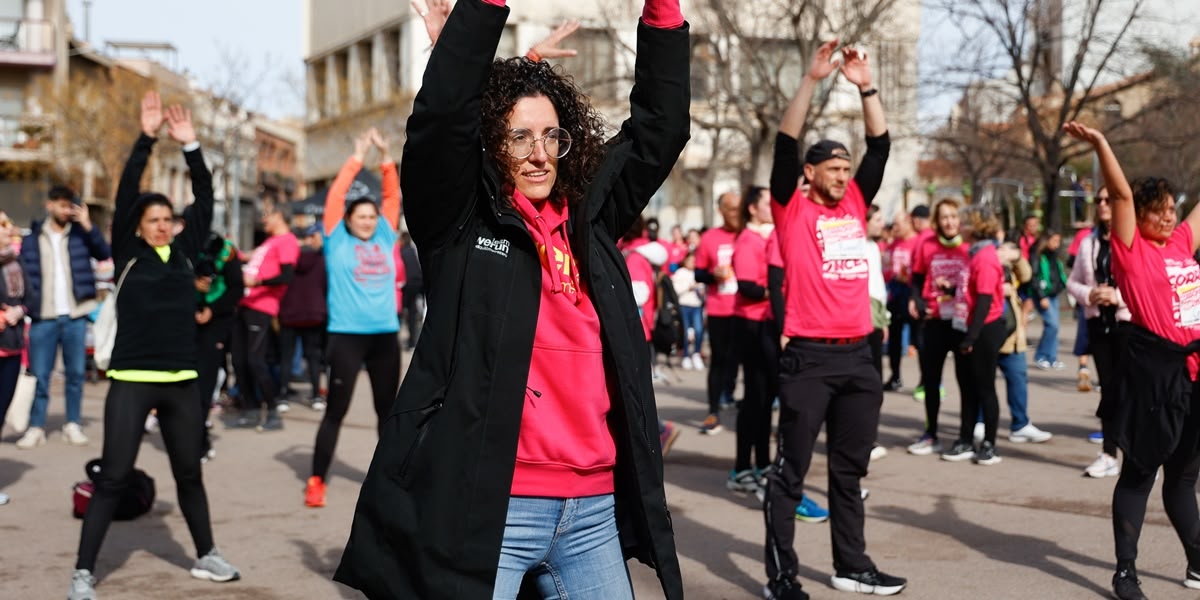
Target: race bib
{"type": "Point", "coordinates": [725, 259]}
{"type": "Point", "coordinates": [1189, 305]}
{"type": "Point", "coordinates": [841, 239]}
{"type": "Point", "coordinates": [1185, 279]}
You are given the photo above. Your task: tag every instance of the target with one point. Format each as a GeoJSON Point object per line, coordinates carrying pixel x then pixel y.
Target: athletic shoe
{"type": "Point", "coordinates": [72, 434]}
{"type": "Point", "coordinates": [869, 582]}
{"type": "Point", "coordinates": [986, 455]}
{"type": "Point", "coordinates": [666, 437]}
{"type": "Point", "coordinates": [919, 393]}
{"type": "Point", "coordinates": [34, 437]}
{"type": "Point", "coordinates": [784, 589]}
{"type": "Point", "coordinates": [248, 419]}
{"type": "Point", "coordinates": [318, 403]}
{"type": "Point", "coordinates": [878, 452]}
{"type": "Point", "coordinates": [273, 423]}
{"type": "Point", "coordinates": [742, 481]}
{"type": "Point", "coordinates": [1043, 364]}
{"type": "Point", "coordinates": [209, 454]}
{"type": "Point", "coordinates": [698, 362]}
{"type": "Point", "coordinates": [1126, 585]}
{"type": "Point", "coordinates": [893, 385]}
{"type": "Point", "coordinates": [925, 446]}
{"type": "Point", "coordinates": [83, 586]}
{"type": "Point", "coordinates": [686, 363]}
{"type": "Point", "coordinates": [4, 499]}
{"type": "Point", "coordinates": [1058, 365]}
{"type": "Point", "coordinates": [214, 567]}
{"type": "Point", "coordinates": [1096, 437]}
{"type": "Point", "coordinates": [864, 493]}
{"type": "Point", "coordinates": [1085, 379]}
{"type": "Point", "coordinates": [959, 452]}
{"type": "Point", "coordinates": [283, 406]}
{"type": "Point", "coordinates": [151, 424]}
{"type": "Point", "coordinates": [1029, 433]}
{"type": "Point", "coordinates": [1191, 579]}
{"type": "Point", "coordinates": [978, 433]}
{"type": "Point", "coordinates": [811, 512]}
{"type": "Point", "coordinates": [1103, 466]}
{"type": "Point", "coordinates": [711, 425]}
{"type": "Point", "coordinates": [314, 492]}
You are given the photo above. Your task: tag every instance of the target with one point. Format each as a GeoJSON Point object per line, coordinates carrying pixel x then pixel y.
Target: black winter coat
{"type": "Point", "coordinates": [431, 512]}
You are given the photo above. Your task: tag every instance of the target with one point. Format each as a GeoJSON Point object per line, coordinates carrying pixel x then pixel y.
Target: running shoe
{"type": "Point", "coordinates": [283, 406]}
{"type": "Point", "coordinates": [811, 512]}
{"type": "Point", "coordinates": [698, 362]}
{"type": "Point", "coordinates": [318, 403]}
{"type": "Point", "coordinates": [248, 419]}
{"type": "Point", "coordinates": [151, 425]}
{"type": "Point", "coordinates": [711, 425]}
{"type": "Point", "coordinates": [878, 452]}
{"type": "Point", "coordinates": [34, 437]}
{"type": "Point", "coordinates": [893, 385]}
{"type": "Point", "coordinates": [686, 363]}
{"type": "Point", "coordinates": [1029, 433]}
{"type": "Point", "coordinates": [83, 586]}
{"type": "Point", "coordinates": [743, 481]}
{"type": "Point", "coordinates": [1103, 466]}
{"type": "Point", "coordinates": [1043, 364]}
{"type": "Point", "coordinates": [667, 437]}
{"type": "Point", "coordinates": [784, 589]}
{"type": "Point", "coordinates": [1085, 380]}
{"type": "Point", "coordinates": [1126, 585]}
{"type": "Point", "coordinates": [986, 455]}
{"type": "Point", "coordinates": [4, 499]}
{"type": "Point", "coordinates": [960, 451]}
{"type": "Point", "coordinates": [214, 567]}
{"type": "Point", "coordinates": [868, 582]}
{"type": "Point", "coordinates": [1096, 437]}
{"type": "Point", "coordinates": [925, 446]}
{"type": "Point", "coordinates": [314, 492]}
{"type": "Point", "coordinates": [1191, 579]}
{"type": "Point", "coordinates": [919, 393]}
{"type": "Point", "coordinates": [72, 434]}
{"type": "Point", "coordinates": [272, 423]}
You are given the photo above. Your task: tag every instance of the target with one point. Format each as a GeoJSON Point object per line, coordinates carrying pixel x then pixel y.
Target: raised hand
{"type": "Point", "coordinates": [434, 15]}
{"type": "Point", "coordinates": [855, 67]}
{"type": "Point", "coordinates": [362, 145]}
{"type": "Point", "coordinates": [548, 48]}
{"type": "Point", "coordinates": [179, 125]}
{"type": "Point", "coordinates": [823, 63]}
{"type": "Point", "coordinates": [1084, 133]}
{"type": "Point", "coordinates": [380, 142]}
{"type": "Point", "coordinates": [152, 113]}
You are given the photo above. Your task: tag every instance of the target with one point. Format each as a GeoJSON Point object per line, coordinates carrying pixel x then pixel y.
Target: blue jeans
{"type": "Point", "coordinates": [569, 546]}
{"type": "Point", "coordinates": [693, 321]}
{"type": "Point", "coordinates": [1016, 385]}
{"type": "Point", "coordinates": [1047, 348]}
{"type": "Point", "coordinates": [45, 337]}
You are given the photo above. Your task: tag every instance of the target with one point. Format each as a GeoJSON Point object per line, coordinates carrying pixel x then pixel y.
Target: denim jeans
{"type": "Point", "coordinates": [1016, 385]}
{"type": "Point", "coordinates": [569, 546]}
{"type": "Point", "coordinates": [693, 321]}
{"type": "Point", "coordinates": [1047, 348]}
{"type": "Point", "coordinates": [45, 337]}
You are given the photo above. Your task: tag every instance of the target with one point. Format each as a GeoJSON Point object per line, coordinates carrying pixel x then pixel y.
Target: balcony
{"type": "Point", "coordinates": [25, 138]}
{"type": "Point", "coordinates": [27, 43]}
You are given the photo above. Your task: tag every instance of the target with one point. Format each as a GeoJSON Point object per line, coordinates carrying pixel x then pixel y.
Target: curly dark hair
{"type": "Point", "coordinates": [1151, 194]}
{"type": "Point", "coordinates": [515, 78]}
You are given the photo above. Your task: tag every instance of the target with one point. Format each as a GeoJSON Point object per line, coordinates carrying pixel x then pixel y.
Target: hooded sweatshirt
{"type": "Point", "coordinates": [565, 448]}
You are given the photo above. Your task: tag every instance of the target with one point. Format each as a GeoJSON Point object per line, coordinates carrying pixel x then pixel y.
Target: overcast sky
{"type": "Point", "coordinates": [261, 33]}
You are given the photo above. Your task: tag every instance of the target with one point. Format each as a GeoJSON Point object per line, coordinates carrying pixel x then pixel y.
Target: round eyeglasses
{"type": "Point", "coordinates": [557, 143]}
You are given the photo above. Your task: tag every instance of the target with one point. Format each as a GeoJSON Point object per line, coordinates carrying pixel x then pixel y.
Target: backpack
{"type": "Point", "coordinates": [104, 330]}
{"type": "Point", "coordinates": [136, 501]}
{"type": "Point", "coordinates": [668, 321]}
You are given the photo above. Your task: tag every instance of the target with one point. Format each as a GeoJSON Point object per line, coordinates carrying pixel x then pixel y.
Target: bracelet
{"type": "Point", "coordinates": [533, 55]}
{"type": "Point", "coordinates": [869, 93]}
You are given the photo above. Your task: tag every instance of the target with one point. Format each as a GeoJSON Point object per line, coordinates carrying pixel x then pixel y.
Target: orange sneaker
{"type": "Point", "coordinates": [314, 492]}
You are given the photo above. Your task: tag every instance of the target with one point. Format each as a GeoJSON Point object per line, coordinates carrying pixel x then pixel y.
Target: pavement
{"type": "Point", "coordinates": [1030, 527]}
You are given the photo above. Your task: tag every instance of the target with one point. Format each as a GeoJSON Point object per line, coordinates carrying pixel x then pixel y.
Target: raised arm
{"type": "Point", "coordinates": [1120, 196]}
{"type": "Point", "coordinates": [442, 159]}
{"type": "Point", "coordinates": [785, 172]}
{"type": "Point", "coordinates": [335, 199]}
{"type": "Point", "coordinates": [657, 129]}
{"type": "Point", "coordinates": [129, 187]}
{"type": "Point", "coordinates": [198, 216]}
{"type": "Point", "coordinates": [869, 177]}
{"type": "Point", "coordinates": [390, 203]}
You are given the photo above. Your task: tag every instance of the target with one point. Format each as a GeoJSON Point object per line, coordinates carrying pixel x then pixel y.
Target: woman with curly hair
{"type": "Point", "coordinates": [520, 455]}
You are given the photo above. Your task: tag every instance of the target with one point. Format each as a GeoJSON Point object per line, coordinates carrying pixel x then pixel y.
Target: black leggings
{"type": "Point", "coordinates": [181, 423]}
{"type": "Point", "coordinates": [723, 362]}
{"type": "Point", "coordinates": [312, 343]}
{"type": "Point", "coordinates": [251, 342]}
{"type": "Point", "coordinates": [1178, 494]}
{"type": "Point", "coordinates": [1102, 346]}
{"type": "Point", "coordinates": [758, 347]}
{"type": "Point", "coordinates": [347, 353]}
{"type": "Point", "coordinates": [898, 307]}
{"type": "Point", "coordinates": [979, 389]}
{"type": "Point", "coordinates": [940, 339]}
{"type": "Point", "coordinates": [875, 340]}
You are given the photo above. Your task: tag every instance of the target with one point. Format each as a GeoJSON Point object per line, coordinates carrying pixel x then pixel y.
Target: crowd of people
{"type": "Point", "coordinates": [528, 409]}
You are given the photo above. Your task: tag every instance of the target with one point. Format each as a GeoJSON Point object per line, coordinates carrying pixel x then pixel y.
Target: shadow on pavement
{"type": "Point", "coordinates": [299, 459]}
{"type": "Point", "coordinates": [324, 565]}
{"type": "Point", "coordinates": [148, 533]}
{"type": "Point", "coordinates": [11, 471]}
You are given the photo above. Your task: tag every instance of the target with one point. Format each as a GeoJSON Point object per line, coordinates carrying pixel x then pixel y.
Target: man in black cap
{"type": "Point", "coordinates": [826, 371]}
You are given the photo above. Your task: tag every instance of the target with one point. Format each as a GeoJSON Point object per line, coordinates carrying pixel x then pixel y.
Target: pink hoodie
{"type": "Point", "coordinates": [565, 449]}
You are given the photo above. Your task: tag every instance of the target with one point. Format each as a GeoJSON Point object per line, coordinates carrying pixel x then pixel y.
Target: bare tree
{"type": "Point", "coordinates": [1048, 57]}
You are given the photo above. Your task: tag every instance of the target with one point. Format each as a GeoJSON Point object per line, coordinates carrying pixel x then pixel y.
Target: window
{"type": "Point", "coordinates": [595, 68]}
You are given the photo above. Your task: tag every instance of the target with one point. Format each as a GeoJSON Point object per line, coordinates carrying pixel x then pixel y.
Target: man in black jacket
{"type": "Point", "coordinates": [57, 257]}
{"type": "Point", "coordinates": [218, 290]}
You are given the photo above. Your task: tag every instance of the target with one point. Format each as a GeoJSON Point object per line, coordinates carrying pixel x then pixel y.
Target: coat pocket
{"type": "Point", "coordinates": [416, 423]}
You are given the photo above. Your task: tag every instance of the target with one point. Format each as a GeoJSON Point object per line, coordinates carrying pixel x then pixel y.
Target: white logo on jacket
{"type": "Point", "coordinates": [499, 247]}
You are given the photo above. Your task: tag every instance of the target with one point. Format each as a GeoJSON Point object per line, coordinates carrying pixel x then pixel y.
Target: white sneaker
{"type": "Point", "coordinates": [979, 433]}
{"type": "Point", "coordinates": [1029, 433]}
{"type": "Point", "coordinates": [72, 434]}
{"type": "Point", "coordinates": [34, 437]}
{"type": "Point", "coordinates": [878, 452]}
{"type": "Point", "coordinates": [698, 362]}
{"type": "Point", "coordinates": [151, 425]}
{"type": "Point", "coordinates": [1103, 466]}
{"type": "Point", "coordinates": [687, 363]}
{"type": "Point", "coordinates": [3, 499]}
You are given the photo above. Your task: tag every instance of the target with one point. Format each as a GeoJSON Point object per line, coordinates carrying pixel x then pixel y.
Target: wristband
{"type": "Point", "coordinates": [869, 93]}
{"type": "Point", "coordinates": [533, 55]}
{"type": "Point", "coordinates": [191, 146]}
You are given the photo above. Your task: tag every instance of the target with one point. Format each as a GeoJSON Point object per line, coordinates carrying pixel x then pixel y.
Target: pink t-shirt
{"type": "Point", "coordinates": [716, 250]}
{"type": "Point", "coordinates": [986, 276]}
{"type": "Point", "coordinates": [675, 254]}
{"type": "Point", "coordinates": [642, 272]}
{"type": "Point", "coordinates": [1161, 285]}
{"type": "Point", "coordinates": [1079, 237]}
{"type": "Point", "coordinates": [267, 263]}
{"type": "Point", "coordinates": [750, 261]}
{"type": "Point", "coordinates": [824, 250]}
{"type": "Point", "coordinates": [902, 258]}
{"type": "Point", "coordinates": [945, 271]}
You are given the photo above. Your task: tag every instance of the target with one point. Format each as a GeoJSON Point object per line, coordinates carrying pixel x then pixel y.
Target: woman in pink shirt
{"type": "Point", "coordinates": [1158, 420]}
